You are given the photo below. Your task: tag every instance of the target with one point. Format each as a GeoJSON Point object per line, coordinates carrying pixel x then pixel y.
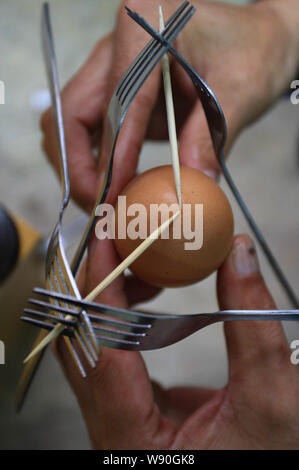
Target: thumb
{"type": "Point", "coordinates": [123, 395]}
{"type": "Point", "coordinates": [254, 347]}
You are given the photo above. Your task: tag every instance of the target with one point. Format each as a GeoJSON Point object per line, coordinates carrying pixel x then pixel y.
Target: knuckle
{"type": "Point", "coordinates": [132, 4]}
{"type": "Point", "coordinates": [120, 10]}
{"type": "Point", "coordinates": [104, 42]}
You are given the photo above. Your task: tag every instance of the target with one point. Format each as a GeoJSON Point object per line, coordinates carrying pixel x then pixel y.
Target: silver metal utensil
{"type": "Point", "coordinates": [59, 277]}
{"type": "Point", "coordinates": [124, 329]}
{"type": "Point", "coordinates": [218, 131]}
{"type": "Point", "coordinates": [125, 92]}
{"type": "Point", "coordinates": [190, 323]}
{"type": "Point", "coordinates": [136, 331]}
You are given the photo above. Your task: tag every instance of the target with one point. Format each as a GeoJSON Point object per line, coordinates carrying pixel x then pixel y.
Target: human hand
{"type": "Point", "coordinates": [257, 409]}
{"type": "Point", "coordinates": [247, 55]}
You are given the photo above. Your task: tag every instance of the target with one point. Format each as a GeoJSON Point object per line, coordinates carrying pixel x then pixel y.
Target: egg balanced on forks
{"type": "Point", "coordinates": [197, 242]}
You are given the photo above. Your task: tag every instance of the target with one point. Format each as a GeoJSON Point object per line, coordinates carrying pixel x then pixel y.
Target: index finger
{"type": "Point", "coordinates": [254, 347]}
{"type": "Point", "coordinates": [129, 41]}
{"type": "Point", "coordinates": [83, 101]}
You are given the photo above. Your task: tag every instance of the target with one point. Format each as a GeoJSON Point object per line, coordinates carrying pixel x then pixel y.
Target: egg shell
{"type": "Point", "coordinates": [166, 263]}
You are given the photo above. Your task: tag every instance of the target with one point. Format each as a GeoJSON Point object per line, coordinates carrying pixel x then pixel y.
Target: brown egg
{"type": "Point", "coordinates": [174, 261]}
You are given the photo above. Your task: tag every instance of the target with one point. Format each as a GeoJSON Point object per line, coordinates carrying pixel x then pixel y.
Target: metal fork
{"type": "Point", "coordinates": [125, 92]}
{"type": "Point", "coordinates": [139, 331]}
{"type": "Point", "coordinates": [218, 131]}
{"type": "Point", "coordinates": [136, 331]}
{"type": "Point", "coordinates": [59, 277]}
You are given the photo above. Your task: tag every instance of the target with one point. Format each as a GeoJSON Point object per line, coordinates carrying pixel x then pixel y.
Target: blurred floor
{"type": "Point", "coordinates": [263, 162]}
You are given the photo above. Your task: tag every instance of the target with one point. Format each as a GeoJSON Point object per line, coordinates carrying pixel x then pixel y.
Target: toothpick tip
{"type": "Point", "coordinates": [27, 358]}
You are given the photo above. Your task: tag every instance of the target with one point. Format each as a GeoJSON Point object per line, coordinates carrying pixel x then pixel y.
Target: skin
{"type": "Point", "coordinates": [230, 46]}
{"type": "Point", "coordinates": [257, 409]}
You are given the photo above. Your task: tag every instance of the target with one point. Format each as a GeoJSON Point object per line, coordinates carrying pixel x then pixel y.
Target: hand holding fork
{"type": "Point", "coordinates": [127, 338]}
{"type": "Point", "coordinates": [257, 408]}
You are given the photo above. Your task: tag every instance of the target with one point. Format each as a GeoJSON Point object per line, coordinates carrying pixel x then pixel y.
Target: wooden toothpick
{"type": "Point", "coordinates": [105, 283]}
{"type": "Point", "coordinates": [171, 116]}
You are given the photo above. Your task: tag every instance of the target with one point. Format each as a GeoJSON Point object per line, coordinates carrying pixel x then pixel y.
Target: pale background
{"type": "Point", "coordinates": [264, 163]}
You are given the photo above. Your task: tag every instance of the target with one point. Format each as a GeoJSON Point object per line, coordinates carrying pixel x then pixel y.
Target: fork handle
{"type": "Point", "coordinates": [229, 315]}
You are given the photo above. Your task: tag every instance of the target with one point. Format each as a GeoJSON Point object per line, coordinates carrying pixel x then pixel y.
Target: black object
{"type": "Point", "coordinates": [9, 244]}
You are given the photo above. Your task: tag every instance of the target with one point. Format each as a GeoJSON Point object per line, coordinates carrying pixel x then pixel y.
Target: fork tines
{"type": "Point", "coordinates": [106, 310]}
{"type": "Point", "coordinates": [114, 327]}
{"type": "Point", "coordinates": [124, 94]}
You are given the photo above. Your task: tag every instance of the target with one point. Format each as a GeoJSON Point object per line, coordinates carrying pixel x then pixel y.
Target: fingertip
{"type": "Point", "coordinates": [240, 284]}
{"type": "Point", "coordinates": [211, 173]}
{"type": "Point", "coordinates": [196, 147]}
{"type": "Point", "coordinates": [204, 162]}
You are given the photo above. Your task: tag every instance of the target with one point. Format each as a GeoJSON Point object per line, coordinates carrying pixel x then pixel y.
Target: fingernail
{"type": "Point", "coordinates": [213, 174]}
{"type": "Point", "coordinates": [244, 258]}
